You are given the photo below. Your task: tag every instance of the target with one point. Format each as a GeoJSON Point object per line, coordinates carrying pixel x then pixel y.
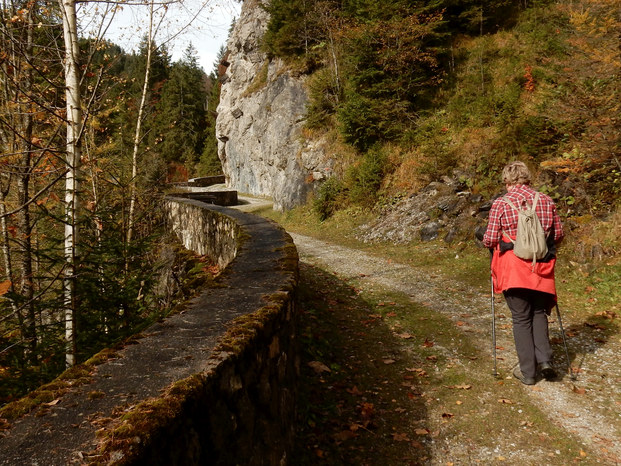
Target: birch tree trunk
{"type": "Point", "coordinates": [23, 197]}
{"type": "Point", "coordinates": [138, 133]}
{"type": "Point", "coordinates": [74, 134]}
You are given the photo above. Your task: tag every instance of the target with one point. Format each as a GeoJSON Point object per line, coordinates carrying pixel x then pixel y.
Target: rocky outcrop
{"type": "Point", "coordinates": [260, 117]}
{"type": "Point", "coordinates": [442, 210]}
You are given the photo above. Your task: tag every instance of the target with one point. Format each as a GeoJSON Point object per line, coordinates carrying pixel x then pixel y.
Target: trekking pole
{"type": "Point", "coordinates": [495, 372]}
{"type": "Point", "coordinates": [572, 376]}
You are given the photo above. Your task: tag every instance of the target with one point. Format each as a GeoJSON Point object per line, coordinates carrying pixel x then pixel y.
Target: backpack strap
{"type": "Point", "coordinates": [510, 204]}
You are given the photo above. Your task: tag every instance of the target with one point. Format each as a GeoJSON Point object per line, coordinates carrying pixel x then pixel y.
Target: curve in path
{"type": "Point", "coordinates": [583, 416]}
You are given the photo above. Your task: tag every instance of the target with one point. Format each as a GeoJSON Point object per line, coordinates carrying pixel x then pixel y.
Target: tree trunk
{"type": "Point", "coordinates": [74, 134]}
{"type": "Point", "coordinates": [138, 133]}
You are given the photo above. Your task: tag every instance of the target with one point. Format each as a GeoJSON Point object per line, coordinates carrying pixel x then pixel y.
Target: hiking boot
{"type": "Point", "coordinates": [547, 371]}
{"type": "Point", "coordinates": [517, 373]}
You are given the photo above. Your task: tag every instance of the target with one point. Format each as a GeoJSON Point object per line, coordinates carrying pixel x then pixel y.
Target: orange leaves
{"type": "Point", "coordinates": [529, 85]}
{"type": "Point", "coordinates": [5, 286]}
{"type": "Point", "coordinates": [428, 343]}
{"type": "Point", "coordinates": [367, 410]}
{"type": "Point", "coordinates": [607, 314]}
{"type": "Point", "coordinates": [400, 437]}
{"type": "Point", "coordinates": [578, 390]}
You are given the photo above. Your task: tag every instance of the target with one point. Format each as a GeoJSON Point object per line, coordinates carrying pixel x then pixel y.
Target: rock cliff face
{"type": "Point", "coordinates": [260, 117]}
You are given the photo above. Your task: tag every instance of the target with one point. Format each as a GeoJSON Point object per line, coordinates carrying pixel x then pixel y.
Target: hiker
{"type": "Point", "coordinates": [527, 284]}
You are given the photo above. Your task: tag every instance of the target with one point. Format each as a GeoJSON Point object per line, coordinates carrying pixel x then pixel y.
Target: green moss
{"type": "Point", "coordinates": [148, 418]}
{"type": "Point", "coordinates": [77, 375]}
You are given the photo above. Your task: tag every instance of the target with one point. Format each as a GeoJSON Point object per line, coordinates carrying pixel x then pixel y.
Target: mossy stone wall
{"type": "Point", "coordinates": [241, 408]}
{"type": "Point", "coordinates": [212, 384]}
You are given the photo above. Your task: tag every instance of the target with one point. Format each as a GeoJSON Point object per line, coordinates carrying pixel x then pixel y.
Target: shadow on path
{"type": "Point", "coordinates": [353, 392]}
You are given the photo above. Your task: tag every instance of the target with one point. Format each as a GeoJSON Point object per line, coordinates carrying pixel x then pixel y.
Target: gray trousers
{"type": "Point", "coordinates": [530, 309]}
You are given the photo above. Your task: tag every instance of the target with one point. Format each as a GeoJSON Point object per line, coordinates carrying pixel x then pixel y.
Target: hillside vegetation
{"type": "Point", "coordinates": [410, 92]}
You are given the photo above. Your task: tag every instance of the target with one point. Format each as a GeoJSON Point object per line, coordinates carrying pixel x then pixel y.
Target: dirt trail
{"type": "Point", "coordinates": [587, 407]}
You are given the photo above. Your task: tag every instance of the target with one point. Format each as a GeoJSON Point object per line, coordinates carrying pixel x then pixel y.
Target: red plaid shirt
{"type": "Point", "coordinates": [503, 218]}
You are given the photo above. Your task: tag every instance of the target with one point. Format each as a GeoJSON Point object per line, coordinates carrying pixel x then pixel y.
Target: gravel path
{"type": "Point", "coordinates": [588, 407]}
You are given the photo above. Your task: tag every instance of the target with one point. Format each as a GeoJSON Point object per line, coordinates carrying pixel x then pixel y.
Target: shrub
{"type": "Point", "coordinates": [365, 178]}
{"type": "Point", "coordinates": [327, 200]}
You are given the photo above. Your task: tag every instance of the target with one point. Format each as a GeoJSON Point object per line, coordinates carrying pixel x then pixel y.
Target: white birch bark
{"type": "Point", "coordinates": [138, 132]}
{"type": "Point", "coordinates": [74, 134]}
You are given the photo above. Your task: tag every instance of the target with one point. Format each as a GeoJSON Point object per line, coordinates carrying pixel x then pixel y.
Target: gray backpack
{"type": "Point", "coordinates": [530, 241]}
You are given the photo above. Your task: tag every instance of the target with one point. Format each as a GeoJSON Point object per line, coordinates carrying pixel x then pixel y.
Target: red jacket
{"type": "Point", "coordinates": [508, 270]}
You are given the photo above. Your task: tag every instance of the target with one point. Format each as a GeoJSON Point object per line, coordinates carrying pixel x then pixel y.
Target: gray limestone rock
{"type": "Point", "coordinates": [260, 118]}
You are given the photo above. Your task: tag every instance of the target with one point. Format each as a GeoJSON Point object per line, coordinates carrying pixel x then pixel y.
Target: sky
{"type": "Point", "coordinates": [207, 33]}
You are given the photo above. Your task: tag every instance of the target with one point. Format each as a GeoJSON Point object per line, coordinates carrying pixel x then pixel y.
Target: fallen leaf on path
{"type": "Point", "coordinates": [421, 431]}
{"type": "Point", "coordinates": [405, 336]}
{"type": "Point", "coordinates": [505, 401]}
{"type": "Point", "coordinates": [391, 314]}
{"type": "Point", "coordinates": [319, 367]}
{"type": "Point", "coordinates": [431, 358]}
{"type": "Point", "coordinates": [461, 387]}
{"type": "Point", "coordinates": [389, 361]}
{"type": "Point", "coordinates": [367, 410]}
{"type": "Point", "coordinates": [354, 391]}
{"type": "Point", "coordinates": [447, 415]}
{"type": "Point", "coordinates": [595, 326]}
{"type": "Point", "coordinates": [428, 343]}
{"type": "Point", "coordinates": [578, 390]}
{"type": "Point", "coordinates": [400, 437]}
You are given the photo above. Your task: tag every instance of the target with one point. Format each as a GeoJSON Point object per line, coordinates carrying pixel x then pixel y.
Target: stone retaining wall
{"type": "Point", "coordinates": [213, 384]}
